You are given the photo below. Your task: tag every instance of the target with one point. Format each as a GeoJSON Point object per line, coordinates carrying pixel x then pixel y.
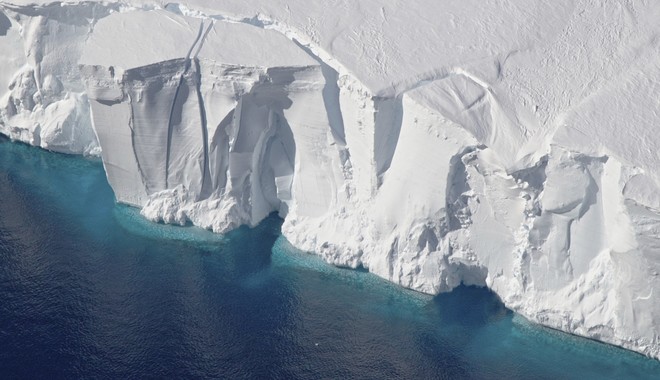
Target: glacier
{"type": "Point", "coordinates": [509, 144]}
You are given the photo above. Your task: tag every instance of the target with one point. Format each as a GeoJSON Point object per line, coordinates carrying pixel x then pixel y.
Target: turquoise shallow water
{"type": "Point", "coordinates": [90, 289]}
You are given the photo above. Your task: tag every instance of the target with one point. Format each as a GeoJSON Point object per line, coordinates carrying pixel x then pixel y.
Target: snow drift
{"type": "Point", "coordinates": [515, 147]}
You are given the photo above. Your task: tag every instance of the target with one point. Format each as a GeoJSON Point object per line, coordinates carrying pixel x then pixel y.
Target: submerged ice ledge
{"type": "Point", "coordinates": [511, 164]}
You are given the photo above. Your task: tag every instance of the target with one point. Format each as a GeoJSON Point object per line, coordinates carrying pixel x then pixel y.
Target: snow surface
{"type": "Point", "coordinates": [508, 144]}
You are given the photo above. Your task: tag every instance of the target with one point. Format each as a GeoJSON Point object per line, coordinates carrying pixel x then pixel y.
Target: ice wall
{"type": "Point", "coordinates": [224, 125]}
{"type": "Point", "coordinates": [42, 99]}
{"type": "Point", "coordinates": [513, 148]}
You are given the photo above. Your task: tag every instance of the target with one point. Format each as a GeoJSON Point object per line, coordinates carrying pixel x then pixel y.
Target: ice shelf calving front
{"type": "Point", "coordinates": [511, 148]}
{"type": "Point", "coordinates": [204, 129]}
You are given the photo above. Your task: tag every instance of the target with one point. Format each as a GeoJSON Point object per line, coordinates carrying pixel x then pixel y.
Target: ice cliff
{"type": "Point", "coordinates": [509, 144]}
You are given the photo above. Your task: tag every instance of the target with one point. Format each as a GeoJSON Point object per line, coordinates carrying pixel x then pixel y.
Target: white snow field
{"type": "Point", "coordinates": [512, 144]}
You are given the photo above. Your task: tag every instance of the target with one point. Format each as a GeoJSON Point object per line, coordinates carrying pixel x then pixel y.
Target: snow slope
{"type": "Point", "coordinates": [509, 144]}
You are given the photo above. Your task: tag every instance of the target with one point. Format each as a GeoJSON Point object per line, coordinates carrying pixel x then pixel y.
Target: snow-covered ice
{"type": "Point", "coordinates": [510, 144]}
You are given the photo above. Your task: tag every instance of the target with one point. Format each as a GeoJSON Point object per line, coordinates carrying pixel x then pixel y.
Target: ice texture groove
{"type": "Point", "coordinates": [509, 144]}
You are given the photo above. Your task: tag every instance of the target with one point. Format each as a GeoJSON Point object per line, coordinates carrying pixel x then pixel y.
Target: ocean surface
{"type": "Point", "coordinates": [88, 289]}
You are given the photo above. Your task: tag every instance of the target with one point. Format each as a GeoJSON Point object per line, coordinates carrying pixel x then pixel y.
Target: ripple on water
{"type": "Point", "coordinates": [90, 289]}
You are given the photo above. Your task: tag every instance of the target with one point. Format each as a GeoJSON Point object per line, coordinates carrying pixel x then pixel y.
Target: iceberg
{"type": "Point", "coordinates": [509, 144]}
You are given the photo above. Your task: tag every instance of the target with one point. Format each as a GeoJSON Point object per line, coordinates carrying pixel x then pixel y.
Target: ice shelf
{"type": "Point", "coordinates": [509, 144]}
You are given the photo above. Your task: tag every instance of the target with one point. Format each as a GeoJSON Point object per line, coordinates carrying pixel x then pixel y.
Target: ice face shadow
{"type": "Point", "coordinates": [470, 306]}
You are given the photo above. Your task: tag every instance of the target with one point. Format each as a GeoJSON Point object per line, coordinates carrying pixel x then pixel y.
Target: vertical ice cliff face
{"type": "Point", "coordinates": [217, 122]}
{"type": "Point", "coordinates": [42, 100]}
{"type": "Point", "coordinates": [590, 236]}
{"type": "Point", "coordinates": [515, 150]}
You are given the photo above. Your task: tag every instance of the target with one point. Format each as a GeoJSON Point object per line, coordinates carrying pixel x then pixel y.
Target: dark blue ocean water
{"type": "Point", "coordinates": [89, 289]}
